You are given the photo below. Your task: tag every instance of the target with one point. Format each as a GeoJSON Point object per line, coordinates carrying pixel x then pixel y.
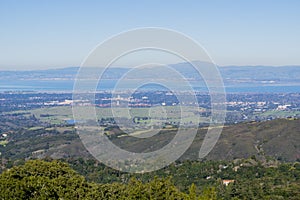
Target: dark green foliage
{"type": "Point", "coordinates": [42, 180]}
{"type": "Point", "coordinates": [253, 180]}
{"type": "Point", "coordinates": [38, 179]}
{"type": "Point", "coordinates": [56, 180]}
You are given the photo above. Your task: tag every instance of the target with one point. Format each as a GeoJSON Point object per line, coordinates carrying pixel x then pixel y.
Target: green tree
{"type": "Point", "coordinates": [42, 180]}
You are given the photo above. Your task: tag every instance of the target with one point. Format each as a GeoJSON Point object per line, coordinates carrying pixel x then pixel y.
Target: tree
{"type": "Point", "coordinates": [42, 180]}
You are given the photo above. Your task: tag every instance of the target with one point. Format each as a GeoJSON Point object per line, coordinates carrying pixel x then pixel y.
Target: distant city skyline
{"type": "Point", "coordinates": [54, 34]}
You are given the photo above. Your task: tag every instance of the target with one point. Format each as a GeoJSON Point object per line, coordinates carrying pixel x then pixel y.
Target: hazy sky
{"type": "Point", "coordinates": [37, 34]}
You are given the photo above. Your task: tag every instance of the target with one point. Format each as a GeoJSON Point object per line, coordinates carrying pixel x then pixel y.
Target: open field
{"type": "Point", "coordinates": [280, 113]}
{"type": "Point", "coordinates": [151, 116]}
{"type": "Point", "coordinates": [3, 142]}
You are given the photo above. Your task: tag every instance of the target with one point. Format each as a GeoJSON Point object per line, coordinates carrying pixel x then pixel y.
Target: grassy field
{"type": "Point", "coordinates": [3, 142]}
{"type": "Point", "coordinates": [280, 113]}
{"type": "Point", "coordinates": [35, 128]}
{"type": "Point", "coordinates": [156, 115]}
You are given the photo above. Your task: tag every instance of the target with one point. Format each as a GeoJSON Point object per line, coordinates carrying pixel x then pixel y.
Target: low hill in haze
{"type": "Point", "coordinates": [230, 74]}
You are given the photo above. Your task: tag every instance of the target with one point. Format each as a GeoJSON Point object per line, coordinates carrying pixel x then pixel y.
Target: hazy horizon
{"type": "Point", "coordinates": [130, 67]}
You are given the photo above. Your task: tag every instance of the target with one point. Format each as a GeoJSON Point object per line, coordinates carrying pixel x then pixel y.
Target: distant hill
{"type": "Point", "coordinates": [230, 74]}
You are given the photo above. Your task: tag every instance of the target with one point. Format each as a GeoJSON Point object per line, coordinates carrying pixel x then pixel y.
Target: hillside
{"type": "Point", "coordinates": [277, 139]}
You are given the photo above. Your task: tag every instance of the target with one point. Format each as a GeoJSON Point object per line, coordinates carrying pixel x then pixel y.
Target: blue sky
{"type": "Point", "coordinates": [38, 34]}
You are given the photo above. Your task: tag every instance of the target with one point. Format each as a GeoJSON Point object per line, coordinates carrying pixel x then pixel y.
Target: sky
{"type": "Point", "coordinates": [45, 34]}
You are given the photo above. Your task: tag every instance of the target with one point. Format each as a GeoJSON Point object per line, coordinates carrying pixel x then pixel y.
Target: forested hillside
{"type": "Point", "coordinates": [241, 179]}
{"type": "Point", "coordinates": [55, 180]}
